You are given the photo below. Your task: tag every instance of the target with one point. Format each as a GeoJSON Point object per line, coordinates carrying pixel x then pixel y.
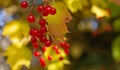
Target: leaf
{"type": "Point", "coordinates": [116, 25]}
{"type": "Point", "coordinates": [116, 49]}
{"type": "Point", "coordinates": [17, 57]}
{"type": "Point", "coordinates": [18, 31]}
{"type": "Point", "coordinates": [56, 23]}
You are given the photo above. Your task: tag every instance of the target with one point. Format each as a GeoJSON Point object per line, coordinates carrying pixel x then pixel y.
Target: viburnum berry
{"type": "Point", "coordinates": [49, 57]}
{"type": "Point", "coordinates": [31, 32]}
{"type": "Point", "coordinates": [45, 13]}
{"type": "Point", "coordinates": [43, 29]}
{"type": "Point", "coordinates": [57, 51]}
{"type": "Point", "coordinates": [48, 43]}
{"type": "Point", "coordinates": [42, 22]}
{"type": "Point", "coordinates": [53, 11]}
{"type": "Point", "coordinates": [36, 53]}
{"type": "Point", "coordinates": [43, 39]}
{"type": "Point", "coordinates": [44, 48]}
{"type": "Point", "coordinates": [35, 45]}
{"type": "Point", "coordinates": [24, 4]}
{"type": "Point", "coordinates": [54, 47]}
{"type": "Point", "coordinates": [33, 40]}
{"type": "Point", "coordinates": [66, 51]}
{"type": "Point", "coordinates": [61, 58]}
{"type": "Point", "coordinates": [48, 9]}
{"type": "Point", "coordinates": [31, 18]}
{"type": "Point", "coordinates": [42, 62]}
{"type": "Point", "coordinates": [40, 8]}
{"type": "Point", "coordinates": [64, 45]}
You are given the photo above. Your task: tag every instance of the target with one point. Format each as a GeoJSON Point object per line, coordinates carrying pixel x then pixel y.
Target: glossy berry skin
{"type": "Point", "coordinates": [43, 30]}
{"type": "Point", "coordinates": [31, 18]}
{"type": "Point", "coordinates": [48, 9]}
{"type": "Point", "coordinates": [53, 11]}
{"type": "Point", "coordinates": [24, 4]}
{"type": "Point", "coordinates": [34, 32]}
{"type": "Point", "coordinates": [65, 45]}
{"type": "Point", "coordinates": [48, 43]}
{"type": "Point", "coordinates": [54, 47]}
{"type": "Point", "coordinates": [33, 40]}
{"type": "Point", "coordinates": [42, 62]}
{"type": "Point", "coordinates": [57, 51]}
{"type": "Point", "coordinates": [36, 53]}
{"type": "Point", "coordinates": [40, 8]}
{"type": "Point", "coordinates": [49, 57]}
{"type": "Point", "coordinates": [42, 22]}
{"type": "Point", "coordinates": [45, 13]}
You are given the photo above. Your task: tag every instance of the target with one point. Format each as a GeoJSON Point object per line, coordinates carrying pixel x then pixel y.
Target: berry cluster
{"type": "Point", "coordinates": [39, 38]}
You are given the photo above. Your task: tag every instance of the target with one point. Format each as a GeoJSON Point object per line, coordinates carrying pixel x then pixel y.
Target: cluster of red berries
{"type": "Point", "coordinates": [38, 36]}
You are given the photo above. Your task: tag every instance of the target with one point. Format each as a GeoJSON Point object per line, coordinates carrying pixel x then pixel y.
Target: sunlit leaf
{"type": "Point", "coordinates": [56, 23]}
{"type": "Point", "coordinates": [17, 57]}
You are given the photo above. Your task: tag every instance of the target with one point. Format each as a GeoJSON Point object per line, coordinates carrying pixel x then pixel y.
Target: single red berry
{"type": "Point", "coordinates": [32, 32]}
{"type": "Point", "coordinates": [42, 22]}
{"type": "Point", "coordinates": [24, 4]}
{"type": "Point", "coordinates": [54, 47]}
{"type": "Point", "coordinates": [48, 43]}
{"type": "Point", "coordinates": [33, 40]}
{"type": "Point", "coordinates": [57, 51]}
{"type": "Point", "coordinates": [40, 8]}
{"type": "Point", "coordinates": [49, 57]}
{"type": "Point", "coordinates": [36, 53]}
{"type": "Point", "coordinates": [53, 11]}
{"type": "Point", "coordinates": [35, 45]}
{"type": "Point", "coordinates": [39, 35]}
{"type": "Point", "coordinates": [43, 30]}
{"type": "Point", "coordinates": [61, 58]}
{"type": "Point", "coordinates": [48, 9]}
{"type": "Point", "coordinates": [66, 51]}
{"type": "Point", "coordinates": [44, 48]}
{"type": "Point", "coordinates": [44, 13]}
{"type": "Point", "coordinates": [43, 39]}
{"type": "Point", "coordinates": [42, 62]}
{"type": "Point", "coordinates": [31, 18]}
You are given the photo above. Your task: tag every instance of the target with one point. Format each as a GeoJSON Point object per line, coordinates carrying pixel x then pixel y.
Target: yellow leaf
{"type": "Point", "coordinates": [17, 57]}
{"type": "Point", "coordinates": [56, 23]}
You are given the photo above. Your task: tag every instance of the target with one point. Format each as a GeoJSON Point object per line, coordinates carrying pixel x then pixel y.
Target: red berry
{"type": "Point", "coordinates": [42, 22]}
{"type": "Point", "coordinates": [48, 43]}
{"type": "Point", "coordinates": [31, 18]}
{"type": "Point", "coordinates": [24, 4]}
{"type": "Point", "coordinates": [57, 51]}
{"type": "Point", "coordinates": [54, 47]}
{"type": "Point", "coordinates": [48, 9]}
{"type": "Point", "coordinates": [66, 51]}
{"type": "Point", "coordinates": [35, 45]}
{"type": "Point", "coordinates": [65, 45]}
{"type": "Point", "coordinates": [36, 53]}
{"type": "Point", "coordinates": [49, 57]}
{"type": "Point", "coordinates": [44, 13]}
{"type": "Point", "coordinates": [39, 35]}
{"type": "Point", "coordinates": [43, 30]}
{"type": "Point", "coordinates": [40, 8]}
{"type": "Point", "coordinates": [33, 40]}
{"type": "Point", "coordinates": [61, 58]}
{"type": "Point", "coordinates": [43, 39]}
{"type": "Point", "coordinates": [53, 11]}
{"type": "Point", "coordinates": [32, 32]}
{"type": "Point", "coordinates": [44, 48]}
{"type": "Point", "coordinates": [42, 62]}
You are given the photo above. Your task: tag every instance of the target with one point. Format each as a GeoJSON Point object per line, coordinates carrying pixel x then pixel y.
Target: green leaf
{"type": "Point", "coordinates": [116, 25]}
{"type": "Point", "coordinates": [116, 49]}
{"type": "Point", "coordinates": [17, 57]}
